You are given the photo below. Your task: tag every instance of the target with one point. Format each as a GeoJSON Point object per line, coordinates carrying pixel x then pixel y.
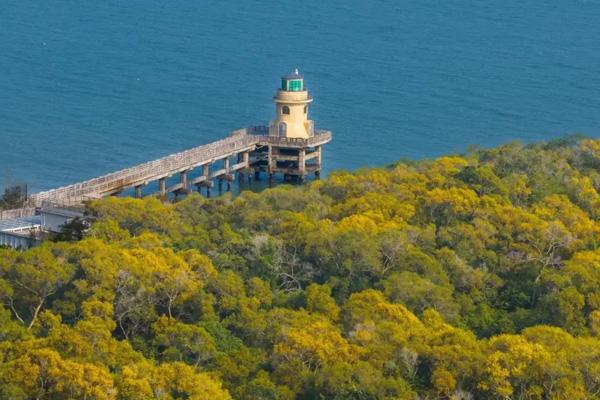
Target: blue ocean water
{"type": "Point", "coordinates": [91, 87]}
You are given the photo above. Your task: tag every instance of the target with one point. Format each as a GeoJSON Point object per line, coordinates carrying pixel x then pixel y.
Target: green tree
{"type": "Point", "coordinates": [29, 279]}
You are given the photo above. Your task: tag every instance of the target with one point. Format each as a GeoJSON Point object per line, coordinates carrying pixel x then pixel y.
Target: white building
{"type": "Point", "coordinates": [20, 232]}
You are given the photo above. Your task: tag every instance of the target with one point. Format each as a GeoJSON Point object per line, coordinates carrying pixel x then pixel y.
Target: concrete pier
{"type": "Point", "coordinates": [290, 146]}
{"type": "Point", "coordinates": [254, 148]}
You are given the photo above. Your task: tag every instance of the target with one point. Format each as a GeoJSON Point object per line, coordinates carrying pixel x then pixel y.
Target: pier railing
{"type": "Point", "coordinates": [320, 137]}
{"type": "Point", "coordinates": [17, 213]}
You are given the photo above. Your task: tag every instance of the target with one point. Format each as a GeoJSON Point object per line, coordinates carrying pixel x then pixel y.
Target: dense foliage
{"type": "Point", "coordinates": [13, 197]}
{"type": "Point", "coordinates": [457, 278]}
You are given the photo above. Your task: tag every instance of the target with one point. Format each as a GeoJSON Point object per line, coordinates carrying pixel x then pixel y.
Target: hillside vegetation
{"type": "Point", "coordinates": [472, 277]}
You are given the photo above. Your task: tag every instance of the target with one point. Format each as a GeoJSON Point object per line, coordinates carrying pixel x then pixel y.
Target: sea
{"type": "Point", "coordinates": [89, 87]}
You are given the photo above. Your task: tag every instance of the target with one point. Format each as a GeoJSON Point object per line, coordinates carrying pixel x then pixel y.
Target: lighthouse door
{"type": "Point", "coordinates": [282, 129]}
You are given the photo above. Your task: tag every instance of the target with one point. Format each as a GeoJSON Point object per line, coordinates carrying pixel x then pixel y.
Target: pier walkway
{"type": "Point", "coordinates": [252, 149]}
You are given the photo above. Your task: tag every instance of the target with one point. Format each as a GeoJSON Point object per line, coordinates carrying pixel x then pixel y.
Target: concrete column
{"type": "Point", "coordinates": [319, 156]}
{"type": "Point", "coordinates": [227, 166]}
{"type": "Point", "coordinates": [206, 174]}
{"type": "Point", "coordinates": [183, 179]}
{"type": "Point", "coordinates": [301, 164]}
{"type": "Point", "coordinates": [207, 182]}
{"type": "Point", "coordinates": [138, 192]}
{"type": "Point", "coordinates": [240, 174]}
{"type": "Point", "coordinates": [319, 150]}
{"type": "Point", "coordinates": [302, 161]}
{"type": "Point", "coordinates": [270, 161]}
{"type": "Point", "coordinates": [162, 186]}
{"type": "Point", "coordinates": [245, 159]}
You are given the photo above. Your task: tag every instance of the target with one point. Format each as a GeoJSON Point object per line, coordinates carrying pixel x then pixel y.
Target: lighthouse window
{"type": "Point", "coordinates": [295, 85]}
{"type": "Point", "coordinates": [305, 109]}
{"type": "Point", "coordinates": [285, 110]}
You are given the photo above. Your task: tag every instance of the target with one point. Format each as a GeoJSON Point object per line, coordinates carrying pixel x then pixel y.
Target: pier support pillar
{"type": "Point", "coordinates": [319, 155]}
{"type": "Point", "coordinates": [270, 161]}
{"type": "Point", "coordinates": [301, 164]}
{"type": "Point", "coordinates": [319, 151]}
{"type": "Point", "coordinates": [162, 186]}
{"type": "Point", "coordinates": [244, 158]}
{"type": "Point", "coordinates": [207, 182]}
{"type": "Point", "coordinates": [270, 164]}
{"type": "Point", "coordinates": [227, 176]}
{"type": "Point", "coordinates": [226, 165]}
{"type": "Point", "coordinates": [138, 191]}
{"type": "Point", "coordinates": [183, 179]}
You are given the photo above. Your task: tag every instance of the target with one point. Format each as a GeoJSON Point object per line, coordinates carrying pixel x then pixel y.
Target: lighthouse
{"type": "Point", "coordinates": [290, 145]}
{"type": "Point", "coordinates": [291, 109]}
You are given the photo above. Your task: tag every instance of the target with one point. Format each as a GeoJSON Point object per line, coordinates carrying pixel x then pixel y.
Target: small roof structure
{"type": "Point", "coordinates": [295, 74]}
{"type": "Point", "coordinates": [20, 224]}
{"type": "Point", "coordinates": [68, 212]}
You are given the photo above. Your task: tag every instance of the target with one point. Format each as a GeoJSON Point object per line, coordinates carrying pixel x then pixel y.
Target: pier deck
{"type": "Point", "coordinates": [241, 143]}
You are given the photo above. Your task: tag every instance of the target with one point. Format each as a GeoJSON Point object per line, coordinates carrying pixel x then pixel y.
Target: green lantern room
{"type": "Point", "coordinates": [293, 82]}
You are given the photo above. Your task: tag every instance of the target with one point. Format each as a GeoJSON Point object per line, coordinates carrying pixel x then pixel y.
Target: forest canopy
{"type": "Point", "coordinates": [463, 277]}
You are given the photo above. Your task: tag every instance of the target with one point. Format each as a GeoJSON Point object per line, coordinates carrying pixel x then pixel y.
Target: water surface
{"type": "Point", "coordinates": [91, 87]}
